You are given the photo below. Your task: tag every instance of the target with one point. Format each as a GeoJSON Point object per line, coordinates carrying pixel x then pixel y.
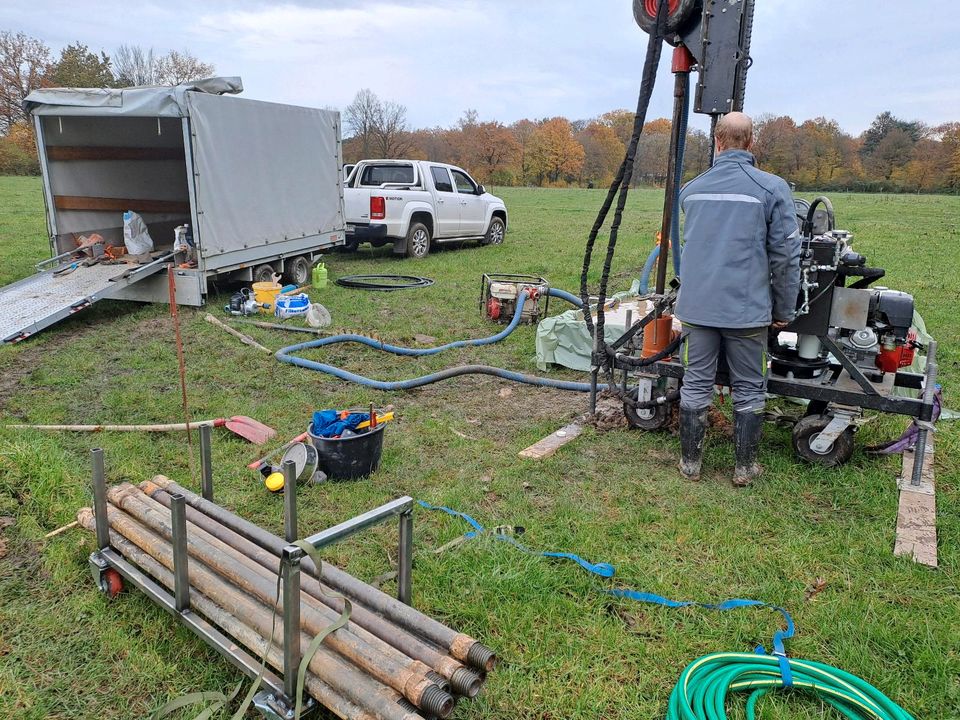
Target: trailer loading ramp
{"type": "Point", "coordinates": [36, 302]}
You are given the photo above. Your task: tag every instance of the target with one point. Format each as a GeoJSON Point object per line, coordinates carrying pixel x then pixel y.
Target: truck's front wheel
{"type": "Point", "coordinates": [418, 241]}
{"type": "Point", "coordinates": [495, 232]}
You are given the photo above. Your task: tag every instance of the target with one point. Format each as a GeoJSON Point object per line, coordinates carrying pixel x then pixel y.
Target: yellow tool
{"type": "Point", "coordinates": [274, 482]}
{"type": "Point", "coordinates": [386, 417]}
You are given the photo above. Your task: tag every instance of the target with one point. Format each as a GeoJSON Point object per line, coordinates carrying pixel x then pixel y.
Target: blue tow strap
{"type": "Point", "coordinates": [606, 570]}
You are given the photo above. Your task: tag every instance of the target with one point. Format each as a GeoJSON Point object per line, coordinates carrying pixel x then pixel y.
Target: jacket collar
{"type": "Point", "coordinates": [738, 156]}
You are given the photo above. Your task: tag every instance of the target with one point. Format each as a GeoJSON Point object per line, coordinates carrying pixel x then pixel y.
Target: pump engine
{"type": "Point", "coordinates": [871, 326]}
{"type": "Point", "coordinates": [498, 297]}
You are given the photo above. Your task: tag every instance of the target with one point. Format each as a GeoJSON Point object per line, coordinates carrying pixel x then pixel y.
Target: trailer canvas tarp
{"type": "Point", "coordinates": [258, 182]}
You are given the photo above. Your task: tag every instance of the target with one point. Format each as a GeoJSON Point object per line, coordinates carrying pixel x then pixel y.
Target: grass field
{"type": "Point", "coordinates": [568, 650]}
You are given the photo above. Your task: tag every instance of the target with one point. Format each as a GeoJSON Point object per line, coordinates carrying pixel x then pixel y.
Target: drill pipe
{"type": "Point", "coordinates": [463, 680]}
{"type": "Point", "coordinates": [404, 675]}
{"type": "Point", "coordinates": [130, 498]}
{"type": "Point", "coordinates": [344, 677]}
{"type": "Point", "coordinates": [229, 623]}
{"type": "Point", "coordinates": [462, 647]}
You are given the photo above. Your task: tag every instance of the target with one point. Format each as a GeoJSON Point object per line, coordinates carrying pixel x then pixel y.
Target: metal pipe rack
{"type": "Point", "coordinates": [277, 699]}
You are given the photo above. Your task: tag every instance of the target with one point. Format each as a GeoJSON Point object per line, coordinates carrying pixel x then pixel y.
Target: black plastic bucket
{"type": "Point", "coordinates": [349, 458]}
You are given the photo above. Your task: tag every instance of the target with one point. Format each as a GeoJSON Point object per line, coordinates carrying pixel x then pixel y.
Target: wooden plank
{"type": "Point", "coordinates": [77, 202]}
{"type": "Point", "coordinates": [547, 446]}
{"type": "Point", "coordinates": [917, 512]}
{"type": "Point", "coordinates": [91, 152]}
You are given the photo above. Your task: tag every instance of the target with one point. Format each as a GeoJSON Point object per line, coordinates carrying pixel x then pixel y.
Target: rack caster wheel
{"type": "Point", "coordinates": [111, 583]}
{"type": "Point", "coordinates": [806, 431]}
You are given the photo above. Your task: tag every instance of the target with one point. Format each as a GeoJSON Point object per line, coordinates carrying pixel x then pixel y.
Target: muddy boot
{"type": "Point", "coordinates": [693, 426]}
{"type": "Point", "coordinates": [746, 437]}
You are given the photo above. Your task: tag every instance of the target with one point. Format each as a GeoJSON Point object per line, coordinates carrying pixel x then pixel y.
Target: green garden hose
{"type": "Point", "coordinates": [703, 687]}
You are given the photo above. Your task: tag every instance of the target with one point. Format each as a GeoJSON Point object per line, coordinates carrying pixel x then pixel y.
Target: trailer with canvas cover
{"type": "Point", "coordinates": [257, 183]}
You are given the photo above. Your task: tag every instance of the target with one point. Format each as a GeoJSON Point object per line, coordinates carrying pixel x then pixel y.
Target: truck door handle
{"type": "Point", "coordinates": [440, 201]}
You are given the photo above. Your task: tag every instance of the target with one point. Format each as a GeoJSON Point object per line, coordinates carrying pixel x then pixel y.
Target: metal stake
{"type": "Point", "coordinates": [929, 388]}
{"type": "Point", "coordinates": [206, 462]}
{"type": "Point", "coordinates": [100, 499]}
{"type": "Point", "coordinates": [181, 578]}
{"type": "Point", "coordinates": [290, 571]}
{"type": "Point", "coordinates": [405, 561]}
{"type": "Point", "coordinates": [290, 501]}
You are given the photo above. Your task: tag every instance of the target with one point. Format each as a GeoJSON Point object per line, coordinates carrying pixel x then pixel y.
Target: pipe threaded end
{"type": "Point", "coordinates": [466, 682]}
{"type": "Point", "coordinates": [439, 680]}
{"type": "Point", "coordinates": [481, 657]}
{"type": "Point", "coordinates": [435, 701]}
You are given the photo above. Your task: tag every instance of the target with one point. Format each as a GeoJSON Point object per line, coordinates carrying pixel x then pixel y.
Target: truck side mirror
{"type": "Point", "coordinates": [481, 189]}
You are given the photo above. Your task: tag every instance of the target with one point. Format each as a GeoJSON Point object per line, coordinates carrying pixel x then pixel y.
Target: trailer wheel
{"type": "Point", "coordinates": [806, 431]}
{"type": "Point", "coordinates": [418, 241]}
{"type": "Point", "coordinates": [263, 273]}
{"type": "Point", "coordinates": [297, 271]}
{"type": "Point", "coordinates": [111, 583]}
{"type": "Point", "coordinates": [655, 418]}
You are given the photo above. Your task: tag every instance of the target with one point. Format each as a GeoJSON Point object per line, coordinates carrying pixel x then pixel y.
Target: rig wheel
{"type": "Point", "coordinates": [656, 418]}
{"type": "Point", "coordinates": [806, 431]}
{"type": "Point", "coordinates": [111, 583]}
{"type": "Point", "coordinates": [678, 12]}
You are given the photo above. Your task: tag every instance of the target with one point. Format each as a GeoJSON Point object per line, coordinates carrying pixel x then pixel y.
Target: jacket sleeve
{"type": "Point", "coordinates": [783, 253]}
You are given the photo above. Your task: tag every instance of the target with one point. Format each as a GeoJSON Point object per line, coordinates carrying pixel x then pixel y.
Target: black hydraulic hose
{"type": "Point", "coordinates": [621, 182]}
{"type": "Point", "coordinates": [643, 362]}
{"type": "Point", "coordinates": [383, 282]}
{"type": "Point", "coordinates": [827, 205]}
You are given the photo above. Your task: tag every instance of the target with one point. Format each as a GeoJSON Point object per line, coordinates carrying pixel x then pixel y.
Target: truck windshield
{"type": "Point", "coordinates": [379, 174]}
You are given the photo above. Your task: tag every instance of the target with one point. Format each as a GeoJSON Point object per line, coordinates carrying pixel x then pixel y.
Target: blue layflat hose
{"type": "Point", "coordinates": [287, 355]}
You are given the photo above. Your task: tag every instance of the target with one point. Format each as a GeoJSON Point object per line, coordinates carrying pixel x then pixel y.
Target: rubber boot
{"type": "Point", "coordinates": [693, 427]}
{"type": "Point", "coordinates": [746, 438]}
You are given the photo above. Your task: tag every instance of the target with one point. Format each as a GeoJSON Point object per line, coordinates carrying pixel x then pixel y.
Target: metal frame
{"type": "Point", "coordinates": [277, 701]}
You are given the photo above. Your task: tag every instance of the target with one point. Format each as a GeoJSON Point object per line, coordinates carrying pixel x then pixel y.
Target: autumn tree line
{"type": "Point", "coordinates": [27, 64]}
{"type": "Point", "coordinates": [892, 155]}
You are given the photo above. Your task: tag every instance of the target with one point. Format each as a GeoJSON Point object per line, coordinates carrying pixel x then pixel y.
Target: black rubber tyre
{"type": "Point", "coordinates": [418, 241]}
{"type": "Point", "coordinates": [296, 271]}
{"type": "Point", "coordinates": [645, 13]}
{"type": "Point", "coordinates": [816, 407]}
{"type": "Point", "coordinates": [263, 273]}
{"type": "Point", "coordinates": [806, 431]}
{"type": "Point", "coordinates": [656, 418]}
{"type": "Point", "coordinates": [495, 233]}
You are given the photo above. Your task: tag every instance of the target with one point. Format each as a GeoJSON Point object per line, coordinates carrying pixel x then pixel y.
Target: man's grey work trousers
{"type": "Point", "coordinates": [745, 350]}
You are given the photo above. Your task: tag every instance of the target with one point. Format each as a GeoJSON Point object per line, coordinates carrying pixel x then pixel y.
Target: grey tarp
{"type": "Point", "coordinates": [142, 101]}
{"type": "Point", "coordinates": [250, 193]}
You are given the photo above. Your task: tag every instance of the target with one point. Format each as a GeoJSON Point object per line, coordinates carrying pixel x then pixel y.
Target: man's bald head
{"type": "Point", "coordinates": [734, 132]}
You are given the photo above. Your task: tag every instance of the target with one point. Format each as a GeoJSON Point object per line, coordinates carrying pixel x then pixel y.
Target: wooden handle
{"type": "Point", "coordinates": [245, 339]}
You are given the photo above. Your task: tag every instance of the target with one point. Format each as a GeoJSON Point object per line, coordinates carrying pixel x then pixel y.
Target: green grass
{"type": "Point", "coordinates": [568, 651]}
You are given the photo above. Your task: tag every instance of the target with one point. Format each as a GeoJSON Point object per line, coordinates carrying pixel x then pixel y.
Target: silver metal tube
{"type": "Point", "coordinates": [290, 571]}
{"type": "Point", "coordinates": [290, 501]}
{"type": "Point", "coordinates": [405, 559]}
{"type": "Point", "coordinates": [361, 522]}
{"type": "Point", "coordinates": [929, 388]}
{"type": "Point", "coordinates": [206, 462]}
{"type": "Point", "coordinates": [100, 499]}
{"type": "Point", "coordinates": [181, 580]}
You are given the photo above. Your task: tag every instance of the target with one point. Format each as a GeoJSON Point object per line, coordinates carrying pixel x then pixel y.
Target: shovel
{"type": "Point", "coordinates": [246, 427]}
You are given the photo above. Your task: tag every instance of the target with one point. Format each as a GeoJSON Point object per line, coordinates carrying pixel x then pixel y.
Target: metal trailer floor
{"type": "Point", "coordinates": [36, 302]}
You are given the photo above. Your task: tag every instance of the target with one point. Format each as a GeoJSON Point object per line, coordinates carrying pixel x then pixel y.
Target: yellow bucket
{"type": "Point", "coordinates": [266, 293]}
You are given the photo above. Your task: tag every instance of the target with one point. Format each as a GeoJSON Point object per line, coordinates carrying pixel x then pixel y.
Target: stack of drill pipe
{"type": "Point", "coordinates": [375, 667]}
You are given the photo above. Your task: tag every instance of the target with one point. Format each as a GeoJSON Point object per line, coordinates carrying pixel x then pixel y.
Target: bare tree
{"type": "Point", "coordinates": [390, 131]}
{"type": "Point", "coordinates": [23, 62]}
{"type": "Point", "coordinates": [176, 67]}
{"type": "Point", "coordinates": [361, 117]}
{"type": "Point", "coordinates": [133, 65]}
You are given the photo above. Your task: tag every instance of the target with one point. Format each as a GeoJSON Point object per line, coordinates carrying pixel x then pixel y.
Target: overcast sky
{"type": "Point", "coordinates": [510, 59]}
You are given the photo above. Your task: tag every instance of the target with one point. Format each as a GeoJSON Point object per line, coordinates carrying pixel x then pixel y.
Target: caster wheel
{"type": "Point", "coordinates": [655, 418]}
{"type": "Point", "coordinates": [111, 583]}
{"type": "Point", "coordinates": [807, 430]}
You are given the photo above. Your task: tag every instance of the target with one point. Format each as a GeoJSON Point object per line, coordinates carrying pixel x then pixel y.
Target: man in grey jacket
{"type": "Point", "coordinates": [739, 275]}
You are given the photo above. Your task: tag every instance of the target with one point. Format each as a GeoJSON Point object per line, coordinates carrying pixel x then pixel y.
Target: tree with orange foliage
{"type": "Point", "coordinates": [555, 154]}
{"type": "Point", "coordinates": [603, 153]}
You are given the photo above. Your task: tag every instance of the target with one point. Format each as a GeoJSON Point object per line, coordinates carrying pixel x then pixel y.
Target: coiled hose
{"type": "Point", "coordinates": [703, 687]}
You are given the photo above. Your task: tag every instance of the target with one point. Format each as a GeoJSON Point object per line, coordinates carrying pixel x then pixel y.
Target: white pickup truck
{"type": "Point", "coordinates": [415, 203]}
